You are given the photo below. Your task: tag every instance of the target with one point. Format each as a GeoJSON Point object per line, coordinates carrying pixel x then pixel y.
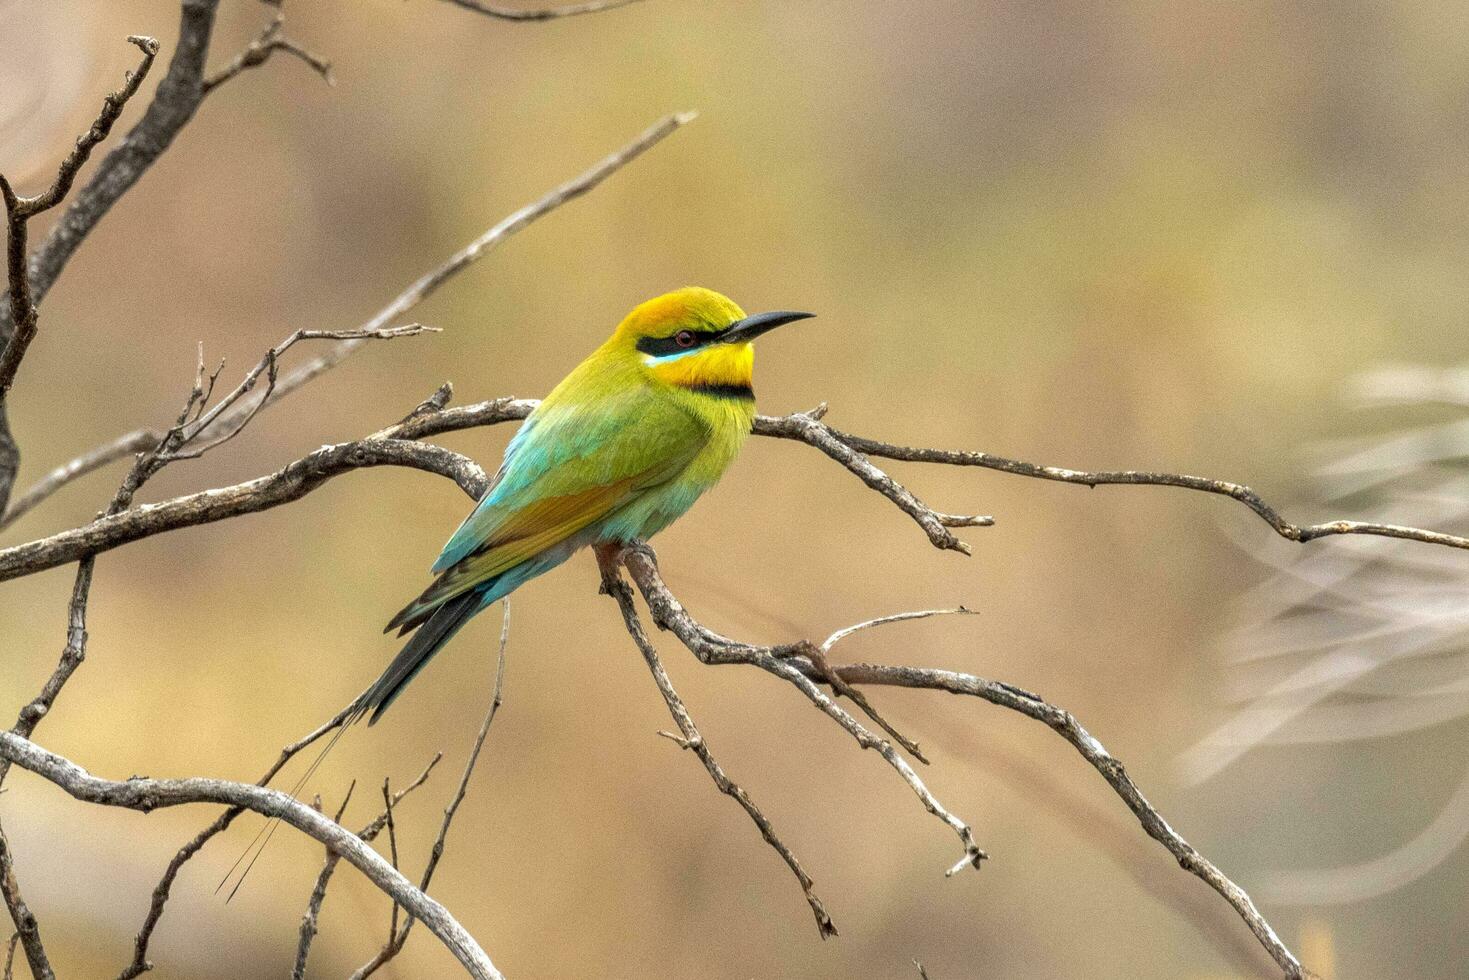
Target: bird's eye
{"type": "Point", "coordinates": [684, 338]}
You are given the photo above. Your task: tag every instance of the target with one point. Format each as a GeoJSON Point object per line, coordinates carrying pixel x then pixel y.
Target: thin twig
{"type": "Point", "coordinates": [428, 283]}
{"type": "Point", "coordinates": [522, 14]}
{"type": "Point", "coordinates": [19, 210]}
{"type": "Point", "coordinates": [140, 963]}
{"type": "Point", "coordinates": [318, 892]}
{"type": "Point", "coordinates": [20, 329]}
{"type": "Point", "coordinates": [691, 739]}
{"type": "Point", "coordinates": [1096, 478]}
{"type": "Point", "coordinates": [19, 319]}
{"type": "Point", "coordinates": [128, 444]}
{"type": "Point", "coordinates": [807, 427]}
{"type": "Point", "coordinates": [405, 301]}
{"type": "Point", "coordinates": [839, 686]}
{"type": "Point", "coordinates": [258, 52]}
{"type": "Point", "coordinates": [268, 365]}
{"type": "Point", "coordinates": [392, 849]}
{"type": "Point", "coordinates": [711, 648]}
{"type": "Point", "coordinates": [27, 929]}
{"type": "Point", "coordinates": [145, 795]}
{"type": "Point", "coordinates": [395, 943]}
{"type": "Point", "coordinates": [10, 956]}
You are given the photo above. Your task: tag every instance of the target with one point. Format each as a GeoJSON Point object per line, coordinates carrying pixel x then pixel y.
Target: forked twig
{"type": "Point", "coordinates": [711, 648]}
{"type": "Point", "coordinates": [318, 892]}
{"type": "Point", "coordinates": [395, 942]}
{"type": "Point", "coordinates": [415, 293]}
{"type": "Point", "coordinates": [258, 52]}
{"type": "Point", "coordinates": [145, 795]}
{"type": "Point", "coordinates": [691, 739]}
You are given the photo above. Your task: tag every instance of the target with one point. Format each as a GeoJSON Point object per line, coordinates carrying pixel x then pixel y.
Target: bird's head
{"type": "Point", "coordinates": [696, 338]}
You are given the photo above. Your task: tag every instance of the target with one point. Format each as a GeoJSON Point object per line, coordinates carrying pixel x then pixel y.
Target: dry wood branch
{"type": "Point", "coordinates": [242, 410]}
{"type": "Point", "coordinates": [146, 795]}
{"type": "Point", "coordinates": [391, 447]}
{"type": "Point", "coordinates": [367, 834]}
{"type": "Point", "coordinates": [268, 366]}
{"type": "Point", "coordinates": [27, 930]}
{"type": "Point", "coordinates": [711, 648]}
{"type": "Point", "coordinates": [26, 207]}
{"type": "Point", "coordinates": [1097, 478]}
{"type": "Point", "coordinates": [192, 419]}
{"type": "Point", "coordinates": [173, 105]}
{"type": "Point", "coordinates": [807, 427]}
{"type": "Point", "coordinates": [691, 739]}
{"type": "Point", "coordinates": [164, 888]}
{"type": "Point", "coordinates": [127, 444]}
{"type": "Point", "coordinates": [290, 483]}
{"type": "Point", "coordinates": [258, 52]}
{"type": "Point", "coordinates": [426, 284]}
{"type": "Point", "coordinates": [19, 210]}
{"type": "Point", "coordinates": [539, 13]}
{"type": "Point", "coordinates": [395, 942]}
{"type": "Point", "coordinates": [19, 320]}
{"type": "Point", "coordinates": [10, 956]}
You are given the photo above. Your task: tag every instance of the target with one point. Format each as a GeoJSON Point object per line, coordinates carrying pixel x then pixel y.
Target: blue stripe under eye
{"type": "Point", "coordinates": [664, 358]}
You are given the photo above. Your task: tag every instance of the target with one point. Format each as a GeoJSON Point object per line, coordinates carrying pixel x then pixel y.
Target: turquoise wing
{"type": "Point", "coordinates": [570, 465]}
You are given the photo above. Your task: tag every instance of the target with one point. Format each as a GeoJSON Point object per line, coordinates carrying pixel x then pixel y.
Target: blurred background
{"type": "Point", "coordinates": [1125, 235]}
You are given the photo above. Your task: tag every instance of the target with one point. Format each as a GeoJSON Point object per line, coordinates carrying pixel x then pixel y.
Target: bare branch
{"type": "Point", "coordinates": [395, 942]}
{"type": "Point", "coordinates": [392, 849]}
{"type": "Point", "coordinates": [691, 739]}
{"type": "Point", "coordinates": [125, 445]}
{"type": "Point", "coordinates": [28, 931]}
{"type": "Point", "coordinates": [258, 52]}
{"type": "Point", "coordinates": [146, 795]}
{"type": "Point", "coordinates": [1235, 491]}
{"type": "Point", "coordinates": [26, 207]}
{"type": "Point", "coordinates": [323, 879]}
{"type": "Point", "coordinates": [500, 12]}
{"type": "Point", "coordinates": [711, 648]}
{"type": "Point", "coordinates": [9, 973]}
{"type": "Point", "coordinates": [290, 483]}
{"type": "Point", "coordinates": [163, 889]}
{"type": "Point", "coordinates": [901, 617]}
{"type": "Point", "coordinates": [807, 427]}
{"type": "Point", "coordinates": [241, 411]}
{"type": "Point", "coordinates": [173, 105]}
{"type": "Point", "coordinates": [19, 321]}
{"type": "Point", "coordinates": [313, 913]}
{"type": "Point", "coordinates": [269, 365]}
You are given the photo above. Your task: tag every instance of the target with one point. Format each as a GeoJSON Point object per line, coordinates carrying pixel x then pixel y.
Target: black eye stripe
{"type": "Point", "coordinates": [661, 346]}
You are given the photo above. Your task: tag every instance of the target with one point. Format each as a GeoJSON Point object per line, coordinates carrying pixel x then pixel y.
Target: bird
{"type": "Point", "coordinates": [622, 447]}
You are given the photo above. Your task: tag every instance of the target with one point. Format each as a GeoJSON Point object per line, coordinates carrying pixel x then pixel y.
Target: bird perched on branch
{"type": "Point", "coordinates": [620, 449]}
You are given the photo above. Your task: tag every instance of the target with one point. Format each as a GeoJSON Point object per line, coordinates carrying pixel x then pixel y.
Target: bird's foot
{"type": "Point", "coordinates": [609, 557]}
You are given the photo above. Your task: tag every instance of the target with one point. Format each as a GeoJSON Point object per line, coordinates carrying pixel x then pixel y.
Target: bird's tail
{"type": "Point", "coordinates": [430, 636]}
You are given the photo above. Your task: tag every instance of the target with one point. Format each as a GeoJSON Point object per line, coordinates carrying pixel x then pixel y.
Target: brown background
{"type": "Point", "coordinates": [1139, 234]}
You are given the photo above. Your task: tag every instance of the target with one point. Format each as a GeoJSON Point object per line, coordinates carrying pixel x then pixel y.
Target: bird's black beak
{"type": "Point", "coordinates": [751, 327]}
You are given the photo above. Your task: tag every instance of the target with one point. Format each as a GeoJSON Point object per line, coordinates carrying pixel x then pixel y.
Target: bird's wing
{"type": "Point", "coordinates": [569, 466]}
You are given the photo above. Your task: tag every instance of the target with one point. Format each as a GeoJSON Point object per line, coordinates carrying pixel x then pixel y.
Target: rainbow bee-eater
{"type": "Point", "coordinates": [620, 449]}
